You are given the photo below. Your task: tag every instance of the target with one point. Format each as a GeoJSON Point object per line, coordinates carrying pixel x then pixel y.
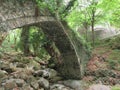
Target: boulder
{"type": "Point", "coordinates": [55, 79]}
{"type": "Point", "coordinates": [50, 73]}
{"type": "Point", "coordinates": [30, 79]}
{"type": "Point", "coordinates": [43, 83]}
{"type": "Point", "coordinates": [6, 66]}
{"type": "Point", "coordinates": [35, 85]}
{"type": "Point", "coordinates": [19, 82]}
{"type": "Point", "coordinates": [20, 65]}
{"type": "Point", "coordinates": [75, 84]}
{"type": "Point", "coordinates": [38, 73]}
{"type": "Point", "coordinates": [59, 87]}
{"type": "Point", "coordinates": [3, 73]}
{"type": "Point", "coordinates": [34, 64]}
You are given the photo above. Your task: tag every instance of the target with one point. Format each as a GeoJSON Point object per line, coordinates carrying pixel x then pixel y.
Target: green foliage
{"type": "Point", "coordinates": [105, 11]}
{"type": "Point", "coordinates": [54, 6]}
{"type": "Point", "coordinates": [115, 88]}
{"type": "Point", "coordinates": [76, 18]}
{"type": "Point", "coordinates": [11, 40]}
{"type": "Point", "coordinates": [46, 4]}
{"type": "Point", "coordinates": [86, 17]}
{"type": "Point", "coordinates": [112, 10]}
{"type": "Point", "coordinates": [36, 36]}
{"type": "Point", "coordinates": [58, 8]}
{"type": "Point", "coordinates": [37, 40]}
{"type": "Point", "coordinates": [84, 14]}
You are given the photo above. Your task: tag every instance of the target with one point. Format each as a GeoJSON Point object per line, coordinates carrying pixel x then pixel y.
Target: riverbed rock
{"type": "Point", "coordinates": [30, 79]}
{"type": "Point", "coordinates": [49, 73]}
{"type": "Point", "coordinates": [10, 84]}
{"type": "Point", "coordinates": [55, 79]}
{"type": "Point", "coordinates": [34, 64]}
{"type": "Point", "coordinates": [20, 65]}
{"type": "Point", "coordinates": [6, 67]}
{"type": "Point", "coordinates": [38, 73]}
{"type": "Point", "coordinates": [19, 82]}
{"type": "Point", "coordinates": [75, 84]}
{"type": "Point", "coordinates": [27, 87]}
{"type": "Point", "coordinates": [3, 73]}
{"type": "Point", "coordinates": [35, 85]}
{"type": "Point", "coordinates": [59, 87]}
{"type": "Point", "coordinates": [43, 83]}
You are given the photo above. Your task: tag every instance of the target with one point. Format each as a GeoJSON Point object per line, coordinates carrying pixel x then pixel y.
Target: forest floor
{"type": "Point", "coordinates": [104, 67]}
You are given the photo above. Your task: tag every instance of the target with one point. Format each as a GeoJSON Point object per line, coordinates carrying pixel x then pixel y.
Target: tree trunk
{"type": "Point", "coordinates": [86, 34]}
{"type": "Point", "coordinates": [25, 40]}
{"type": "Point", "coordinates": [92, 26]}
{"type": "Point", "coordinates": [85, 25]}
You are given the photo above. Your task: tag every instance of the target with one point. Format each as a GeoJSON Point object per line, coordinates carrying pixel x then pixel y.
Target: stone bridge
{"type": "Point", "coordinates": [15, 14]}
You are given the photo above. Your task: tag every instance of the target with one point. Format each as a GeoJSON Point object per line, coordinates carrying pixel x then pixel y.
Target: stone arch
{"type": "Point", "coordinates": [69, 68]}
{"type": "Point", "coordinates": [15, 16]}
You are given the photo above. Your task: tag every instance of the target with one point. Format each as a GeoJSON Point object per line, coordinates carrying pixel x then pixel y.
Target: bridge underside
{"type": "Point", "coordinates": [16, 15]}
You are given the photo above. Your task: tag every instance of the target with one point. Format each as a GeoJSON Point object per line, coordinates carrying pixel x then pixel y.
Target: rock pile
{"type": "Point", "coordinates": [28, 74]}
